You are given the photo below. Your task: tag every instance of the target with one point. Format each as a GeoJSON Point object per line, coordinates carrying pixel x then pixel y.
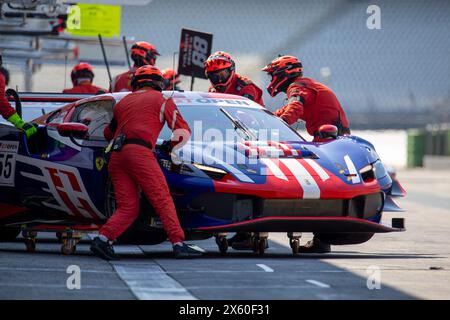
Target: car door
{"type": "Point", "coordinates": [72, 170]}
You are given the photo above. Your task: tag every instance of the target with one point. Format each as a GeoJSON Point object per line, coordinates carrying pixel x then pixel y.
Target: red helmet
{"type": "Point", "coordinates": [219, 69]}
{"type": "Point", "coordinates": [82, 71]}
{"type": "Point", "coordinates": [283, 71]}
{"type": "Point", "coordinates": [171, 79]}
{"type": "Point", "coordinates": [147, 76]}
{"type": "Point", "coordinates": [143, 53]}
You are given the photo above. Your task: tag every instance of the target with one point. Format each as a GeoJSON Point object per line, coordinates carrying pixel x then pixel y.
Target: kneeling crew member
{"type": "Point", "coordinates": [310, 101]}
{"type": "Point", "coordinates": [82, 76]}
{"type": "Point", "coordinates": [137, 122]}
{"type": "Point", "coordinates": [9, 113]}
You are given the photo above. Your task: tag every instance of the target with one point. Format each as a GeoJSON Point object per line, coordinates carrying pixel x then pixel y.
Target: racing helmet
{"type": "Point", "coordinates": [220, 70]}
{"type": "Point", "coordinates": [147, 76]}
{"type": "Point", "coordinates": [143, 53]}
{"type": "Point", "coordinates": [283, 71]}
{"type": "Point", "coordinates": [171, 79]}
{"type": "Point", "coordinates": [82, 72]}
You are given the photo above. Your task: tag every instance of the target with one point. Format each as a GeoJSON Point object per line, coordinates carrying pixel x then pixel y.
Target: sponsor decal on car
{"type": "Point", "coordinates": [8, 153]}
{"type": "Point", "coordinates": [65, 185]}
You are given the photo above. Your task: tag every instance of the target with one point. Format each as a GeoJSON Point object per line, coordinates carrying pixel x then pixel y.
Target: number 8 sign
{"type": "Point", "coordinates": [8, 152]}
{"type": "Point", "coordinates": [195, 47]}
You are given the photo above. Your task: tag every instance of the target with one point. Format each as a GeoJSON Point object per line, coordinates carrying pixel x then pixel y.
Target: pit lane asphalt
{"type": "Point", "coordinates": [412, 264]}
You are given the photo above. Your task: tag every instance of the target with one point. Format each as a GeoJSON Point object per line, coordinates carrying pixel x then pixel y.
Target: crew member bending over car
{"type": "Point", "coordinates": [82, 76]}
{"type": "Point", "coordinates": [142, 53]}
{"type": "Point", "coordinates": [137, 122]}
{"type": "Point", "coordinates": [310, 101]}
{"type": "Point", "coordinates": [220, 70]}
{"type": "Point", "coordinates": [8, 112]}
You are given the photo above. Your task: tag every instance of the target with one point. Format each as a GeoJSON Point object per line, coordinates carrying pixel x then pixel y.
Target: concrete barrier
{"type": "Point", "coordinates": [436, 162]}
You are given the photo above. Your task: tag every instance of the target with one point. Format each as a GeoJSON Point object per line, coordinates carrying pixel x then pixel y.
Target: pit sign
{"type": "Point", "coordinates": [90, 20]}
{"type": "Point", "coordinates": [195, 48]}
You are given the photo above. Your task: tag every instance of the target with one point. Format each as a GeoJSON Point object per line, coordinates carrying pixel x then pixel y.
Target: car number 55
{"type": "Point", "coordinates": [8, 154]}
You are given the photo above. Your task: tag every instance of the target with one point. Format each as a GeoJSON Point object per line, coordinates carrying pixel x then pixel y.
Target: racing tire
{"type": "Point", "coordinates": [222, 244]}
{"type": "Point", "coordinates": [344, 238]}
{"type": "Point", "coordinates": [295, 246]}
{"type": "Point", "coordinates": [8, 234]}
{"type": "Point", "coordinates": [262, 244]}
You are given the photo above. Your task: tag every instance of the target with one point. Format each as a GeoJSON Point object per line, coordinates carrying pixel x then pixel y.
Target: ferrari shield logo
{"type": "Point", "coordinates": [99, 163]}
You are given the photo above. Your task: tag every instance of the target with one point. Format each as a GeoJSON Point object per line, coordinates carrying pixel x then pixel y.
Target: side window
{"type": "Point", "coordinates": [57, 116]}
{"type": "Point", "coordinates": [96, 115]}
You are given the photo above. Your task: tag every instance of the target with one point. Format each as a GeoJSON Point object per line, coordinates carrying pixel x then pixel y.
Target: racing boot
{"type": "Point", "coordinates": [315, 246]}
{"type": "Point", "coordinates": [242, 241]}
{"type": "Point", "coordinates": [187, 251]}
{"type": "Point", "coordinates": [103, 249]}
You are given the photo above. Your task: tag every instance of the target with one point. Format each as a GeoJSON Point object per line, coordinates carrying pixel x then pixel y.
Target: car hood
{"type": "Point", "coordinates": [340, 157]}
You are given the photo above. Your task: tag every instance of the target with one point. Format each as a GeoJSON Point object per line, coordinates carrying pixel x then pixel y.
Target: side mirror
{"type": "Point", "coordinates": [328, 131]}
{"type": "Point", "coordinates": [74, 129]}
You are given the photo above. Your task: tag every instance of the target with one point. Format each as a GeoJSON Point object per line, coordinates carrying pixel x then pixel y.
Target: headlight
{"type": "Point", "coordinates": [367, 173]}
{"type": "Point", "coordinates": [212, 172]}
{"type": "Point", "coordinates": [366, 169]}
{"type": "Point", "coordinates": [178, 168]}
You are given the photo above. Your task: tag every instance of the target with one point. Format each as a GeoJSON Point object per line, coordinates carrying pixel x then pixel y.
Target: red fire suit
{"type": "Point", "coordinates": [244, 87]}
{"type": "Point", "coordinates": [5, 107]}
{"type": "Point", "coordinates": [314, 103]}
{"type": "Point", "coordinates": [85, 88]}
{"type": "Point", "coordinates": [122, 82]}
{"type": "Point", "coordinates": [141, 115]}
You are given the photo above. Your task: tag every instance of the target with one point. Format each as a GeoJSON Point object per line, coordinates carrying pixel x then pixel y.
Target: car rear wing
{"type": "Point", "coordinates": [35, 105]}
{"type": "Point", "coordinates": [49, 97]}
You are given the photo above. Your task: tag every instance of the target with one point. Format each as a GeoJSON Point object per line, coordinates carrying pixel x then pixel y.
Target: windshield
{"type": "Point", "coordinates": [210, 120]}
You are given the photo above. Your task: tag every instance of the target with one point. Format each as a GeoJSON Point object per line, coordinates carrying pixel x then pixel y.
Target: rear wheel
{"type": "Point", "coordinates": [8, 234]}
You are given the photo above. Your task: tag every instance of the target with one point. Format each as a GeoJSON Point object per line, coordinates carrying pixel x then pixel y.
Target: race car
{"type": "Point", "coordinates": [243, 169]}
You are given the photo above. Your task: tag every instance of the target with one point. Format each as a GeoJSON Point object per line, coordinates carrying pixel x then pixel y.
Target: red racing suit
{"type": "Point", "coordinates": [84, 88]}
{"type": "Point", "coordinates": [122, 82]}
{"type": "Point", "coordinates": [244, 87]}
{"type": "Point", "coordinates": [314, 103]}
{"type": "Point", "coordinates": [6, 110]}
{"type": "Point", "coordinates": [141, 115]}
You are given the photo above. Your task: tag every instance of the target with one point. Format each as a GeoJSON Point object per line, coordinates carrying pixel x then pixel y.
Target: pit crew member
{"type": "Point", "coordinates": [310, 101]}
{"type": "Point", "coordinates": [171, 79]}
{"type": "Point", "coordinates": [137, 121]}
{"type": "Point", "coordinates": [82, 76]}
{"type": "Point", "coordinates": [8, 112]}
{"type": "Point", "coordinates": [142, 53]}
{"type": "Point", "coordinates": [220, 70]}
